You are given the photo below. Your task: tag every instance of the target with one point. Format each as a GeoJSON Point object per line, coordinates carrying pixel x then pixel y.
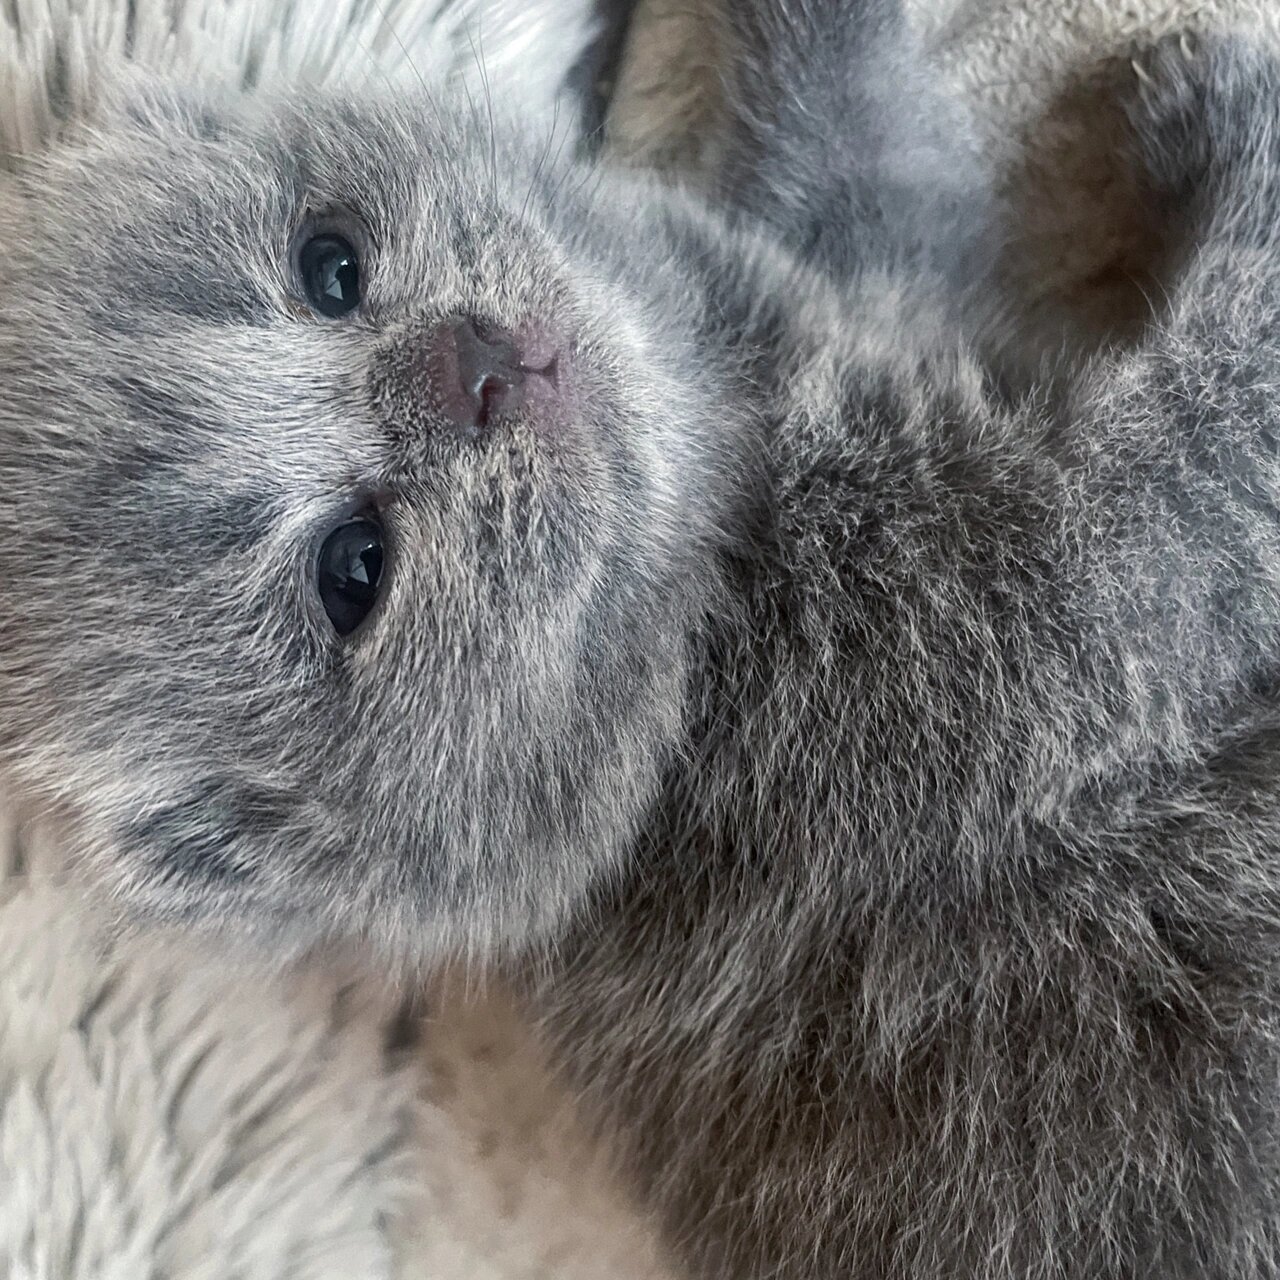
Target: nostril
{"type": "Point", "coordinates": [549, 371]}
{"type": "Point", "coordinates": [482, 348]}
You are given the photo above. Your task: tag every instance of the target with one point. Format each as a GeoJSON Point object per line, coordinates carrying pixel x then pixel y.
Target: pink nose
{"type": "Point", "coordinates": [480, 374]}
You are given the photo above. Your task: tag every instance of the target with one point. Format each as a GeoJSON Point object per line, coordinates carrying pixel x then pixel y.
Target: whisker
{"type": "Point", "coordinates": [542, 159]}
{"type": "Point", "coordinates": [430, 95]}
{"type": "Point", "coordinates": [598, 172]}
{"type": "Point", "coordinates": [488, 100]}
{"type": "Point", "coordinates": [382, 10]}
{"type": "Point", "coordinates": [595, 169]}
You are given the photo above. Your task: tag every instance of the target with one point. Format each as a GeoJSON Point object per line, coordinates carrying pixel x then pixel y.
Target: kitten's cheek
{"type": "Point", "coordinates": [211, 837]}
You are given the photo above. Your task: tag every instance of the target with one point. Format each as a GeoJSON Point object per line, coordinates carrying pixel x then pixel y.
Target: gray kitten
{"type": "Point", "coordinates": [412, 535]}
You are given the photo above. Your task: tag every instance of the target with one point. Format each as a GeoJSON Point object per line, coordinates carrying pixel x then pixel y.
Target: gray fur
{"type": "Point", "coordinates": [951, 951]}
{"type": "Point", "coordinates": [180, 433]}
{"type": "Point", "coordinates": [893, 756]}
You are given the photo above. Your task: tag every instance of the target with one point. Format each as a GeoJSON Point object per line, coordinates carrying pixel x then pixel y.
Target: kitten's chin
{"type": "Point", "coordinates": [403, 925]}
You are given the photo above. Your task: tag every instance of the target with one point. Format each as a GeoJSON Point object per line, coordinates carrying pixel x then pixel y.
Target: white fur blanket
{"type": "Point", "coordinates": [168, 1109]}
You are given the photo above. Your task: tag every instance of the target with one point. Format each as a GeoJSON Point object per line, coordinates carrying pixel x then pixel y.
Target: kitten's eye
{"type": "Point", "coordinates": [348, 572]}
{"type": "Point", "coordinates": [330, 275]}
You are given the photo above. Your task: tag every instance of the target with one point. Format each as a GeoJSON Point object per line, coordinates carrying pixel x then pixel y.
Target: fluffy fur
{"type": "Point", "coordinates": [951, 947]}
{"type": "Point", "coordinates": [543, 55]}
{"type": "Point", "coordinates": [911, 742]}
{"type": "Point", "coordinates": [167, 1112]}
{"type": "Point", "coordinates": [456, 775]}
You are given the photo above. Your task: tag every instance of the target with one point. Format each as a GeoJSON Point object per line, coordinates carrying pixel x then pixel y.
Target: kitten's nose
{"type": "Point", "coordinates": [479, 372]}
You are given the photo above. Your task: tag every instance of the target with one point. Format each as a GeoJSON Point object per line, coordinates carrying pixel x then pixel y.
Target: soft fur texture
{"type": "Point", "coordinates": [949, 946]}
{"type": "Point", "coordinates": [168, 1112]}
{"type": "Point", "coordinates": [53, 52]}
{"type": "Point", "coordinates": [952, 947]}
{"type": "Point", "coordinates": [1041, 80]}
{"type": "Point", "coordinates": [264, 770]}
{"type": "Point", "coordinates": [173, 1108]}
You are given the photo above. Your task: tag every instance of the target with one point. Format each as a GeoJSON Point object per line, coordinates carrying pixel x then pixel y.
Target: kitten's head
{"type": "Point", "coordinates": [353, 514]}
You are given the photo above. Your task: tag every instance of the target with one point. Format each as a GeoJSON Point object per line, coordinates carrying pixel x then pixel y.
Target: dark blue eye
{"type": "Point", "coordinates": [330, 275]}
{"type": "Point", "coordinates": [348, 573]}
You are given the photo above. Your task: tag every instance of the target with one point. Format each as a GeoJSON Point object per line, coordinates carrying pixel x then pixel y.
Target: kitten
{"type": "Point", "coordinates": [412, 534]}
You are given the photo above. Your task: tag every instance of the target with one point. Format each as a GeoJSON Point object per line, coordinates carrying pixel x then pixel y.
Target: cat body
{"type": "Point", "coordinates": [413, 534]}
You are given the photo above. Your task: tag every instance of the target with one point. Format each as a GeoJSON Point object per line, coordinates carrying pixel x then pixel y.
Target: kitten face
{"type": "Point", "coordinates": [183, 431]}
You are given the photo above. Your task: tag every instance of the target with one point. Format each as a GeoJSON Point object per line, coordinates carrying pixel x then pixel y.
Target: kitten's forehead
{"type": "Point", "coordinates": [385, 157]}
{"type": "Point", "coordinates": [149, 141]}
